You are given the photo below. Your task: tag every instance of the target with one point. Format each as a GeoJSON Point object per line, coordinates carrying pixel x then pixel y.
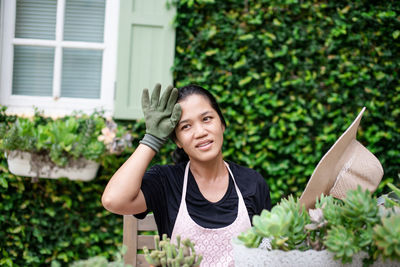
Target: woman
{"type": "Point", "coordinates": [201, 197]}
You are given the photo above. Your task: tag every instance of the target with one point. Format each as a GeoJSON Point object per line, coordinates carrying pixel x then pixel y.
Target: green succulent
{"type": "Point", "coordinates": [387, 237]}
{"type": "Point", "coordinates": [330, 208]}
{"type": "Point", "coordinates": [300, 218]}
{"type": "Point", "coordinates": [284, 224]}
{"type": "Point", "coordinates": [169, 254]}
{"type": "Point", "coordinates": [393, 198]}
{"type": "Point", "coordinates": [357, 215]}
{"type": "Point", "coordinates": [359, 209]}
{"type": "Point", "coordinates": [250, 238]}
{"type": "Point", "coordinates": [341, 241]}
{"type": "Point", "coordinates": [272, 223]}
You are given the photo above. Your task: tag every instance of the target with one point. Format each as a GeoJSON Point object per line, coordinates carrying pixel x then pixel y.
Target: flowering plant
{"type": "Point", "coordinates": [115, 139]}
{"type": "Point", "coordinates": [61, 139]}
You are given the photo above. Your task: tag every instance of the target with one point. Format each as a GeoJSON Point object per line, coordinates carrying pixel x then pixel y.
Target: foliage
{"type": "Point", "coordinates": [291, 76]}
{"type": "Point", "coordinates": [59, 220]}
{"type": "Point", "coordinates": [284, 224]}
{"type": "Point", "coordinates": [387, 237]}
{"type": "Point", "coordinates": [388, 233]}
{"type": "Point", "coordinates": [343, 227]}
{"type": "Point", "coordinates": [357, 216]}
{"type": "Point", "coordinates": [393, 198]}
{"type": "Point", "coordinates": [62, 139]}
{"type": "Point", "coordinates": [169, 254]}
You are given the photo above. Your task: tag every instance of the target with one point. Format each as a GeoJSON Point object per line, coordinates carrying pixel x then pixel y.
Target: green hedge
{"type": "Point", "coordinates": [290, 77]}
{"type": "Point", "coordinates": [58, 220]}
{"type": "Point", "coordinates": [50, 220]}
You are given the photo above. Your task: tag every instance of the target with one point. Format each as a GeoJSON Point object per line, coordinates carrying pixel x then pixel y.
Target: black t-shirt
{"type": "Point", "coordinates": [162, 190]}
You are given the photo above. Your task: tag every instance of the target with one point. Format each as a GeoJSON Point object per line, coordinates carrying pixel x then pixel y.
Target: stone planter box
{"type": "Point", "coordinates": [246, 257]}
{"type": "Point", "coordinates": [31, 165]}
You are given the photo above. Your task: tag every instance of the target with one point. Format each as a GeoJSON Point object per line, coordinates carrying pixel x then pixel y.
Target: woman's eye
{"type": "Point", "coordinates": [184, 127]}
{"type": "Point", "coordinates": [208, 118]}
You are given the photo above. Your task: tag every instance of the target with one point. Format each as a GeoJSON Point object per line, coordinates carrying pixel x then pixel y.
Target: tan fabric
{"type": "Point", "coordinates": [346, 165]}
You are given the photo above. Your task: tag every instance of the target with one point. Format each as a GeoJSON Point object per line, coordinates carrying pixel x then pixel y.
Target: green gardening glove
{"type": "Point", "coordinates": [161, 115]}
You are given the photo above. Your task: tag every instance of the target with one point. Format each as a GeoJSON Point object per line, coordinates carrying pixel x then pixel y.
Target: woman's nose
{"type": "Point", "coordinates": [200, 131]}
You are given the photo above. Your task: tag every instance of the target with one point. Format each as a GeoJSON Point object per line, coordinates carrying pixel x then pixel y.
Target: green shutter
{"type": "Point", "coordinates": [146, 46]}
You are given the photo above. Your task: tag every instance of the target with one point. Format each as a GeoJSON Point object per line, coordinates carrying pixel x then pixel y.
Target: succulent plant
{"type": "Point", "coordinates": [359, 209]}
{"type": "Point", "coordinates": [250, 238]}
{"type": "Point", "coordinates": [351, 231]}
{"type": "Point", "coordinates": [300, 218]}
{"type": "Point", "coordinates": [169, 254]}
{"type": "Point", "coordinates": [318, 222]}
{"type": "Point", "coordinates": [330, 209]}
{"type": "Point", "coordinates": [393, 198]}
{"type": "Point", "coordinates": [341, 241]}
{"type": "Point", "coordinates": [387, 236]}
{"type": "Point", "coordinates": [284, 224]}
{"type": "Point", "coordinates": [344, 227]}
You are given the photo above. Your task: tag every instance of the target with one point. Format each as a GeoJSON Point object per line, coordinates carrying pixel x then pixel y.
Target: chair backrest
{"type": "Point", "coordinates": [134, 240]}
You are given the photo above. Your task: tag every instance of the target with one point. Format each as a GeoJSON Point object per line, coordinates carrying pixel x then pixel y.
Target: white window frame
{"type": "Point", "coordinates": [56, 105]}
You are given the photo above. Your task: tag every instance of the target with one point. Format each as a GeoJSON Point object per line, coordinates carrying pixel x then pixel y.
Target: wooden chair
{"type": "Point", "coordinates": [134, 240]}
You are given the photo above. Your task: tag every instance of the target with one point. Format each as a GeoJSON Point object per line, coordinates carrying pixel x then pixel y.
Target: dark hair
{"type": "Point", "coordinates": [179, 155]}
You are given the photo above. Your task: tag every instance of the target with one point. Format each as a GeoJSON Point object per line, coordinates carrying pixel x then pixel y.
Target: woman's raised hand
{"type": "Point", "coordinates": [161, 115]}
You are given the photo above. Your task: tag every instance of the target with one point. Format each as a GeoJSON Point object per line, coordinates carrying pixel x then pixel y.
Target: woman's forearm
{"type": "Point", "coordinates": [122, 194]}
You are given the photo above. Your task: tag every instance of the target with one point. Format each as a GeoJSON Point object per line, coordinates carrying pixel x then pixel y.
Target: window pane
{"type": "Point", "coordinates": [33, 71]}
{"type": "Point", "coordinates": [81, 73]}
{"type": "Point", "coordinates": [36, 19]}
{"type": "Point", "coordinates": [84, 20]}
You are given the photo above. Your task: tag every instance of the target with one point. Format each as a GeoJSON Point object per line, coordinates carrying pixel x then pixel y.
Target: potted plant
{"type": "Point", "coordinates": [352, 231]}
{"type": "Point", "coordinates": [168, 254]}
{"type": "Point", "coordinates": [71, 146]}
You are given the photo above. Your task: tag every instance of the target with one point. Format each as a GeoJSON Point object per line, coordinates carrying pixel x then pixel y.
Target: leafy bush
{"type": "Point", "coordinates": [292, 75]}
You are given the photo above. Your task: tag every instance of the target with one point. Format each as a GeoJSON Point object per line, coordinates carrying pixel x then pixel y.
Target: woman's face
{"type": "Point", "coordinates": [199, 131]}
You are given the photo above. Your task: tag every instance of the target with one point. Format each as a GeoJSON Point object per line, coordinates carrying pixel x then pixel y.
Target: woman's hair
{"type": "Point", "coordinates": [179, 154]}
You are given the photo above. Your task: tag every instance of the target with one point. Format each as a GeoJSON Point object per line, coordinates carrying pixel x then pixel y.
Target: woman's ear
{"type": "Point", "coordinates": [178, 144]}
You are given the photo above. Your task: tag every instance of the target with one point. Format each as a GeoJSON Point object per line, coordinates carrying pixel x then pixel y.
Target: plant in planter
{"type": "Point", "coordinates": [387, 234]}
{"type": "Point", "coordinates": [346, 228]}
{"type": "Point", "coordinates": [65, 147]}
{"type": "Point", "coordinates": [352, 229]}
{"type": "Point", "coordinates": [170, 254]}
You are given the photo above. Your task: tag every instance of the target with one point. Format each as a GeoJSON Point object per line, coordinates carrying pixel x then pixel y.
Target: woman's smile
{"type": "Point", "coordinates": [205, 145]}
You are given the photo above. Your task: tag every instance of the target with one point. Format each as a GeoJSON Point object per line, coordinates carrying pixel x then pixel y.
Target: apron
{"type": "Point", "coordinates": [214, 244]}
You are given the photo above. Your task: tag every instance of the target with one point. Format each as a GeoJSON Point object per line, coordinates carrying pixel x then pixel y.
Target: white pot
{"type": "Point", "coordinates": [257, 257]}
{"type": "Point", "coordinates": [20, 163]}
